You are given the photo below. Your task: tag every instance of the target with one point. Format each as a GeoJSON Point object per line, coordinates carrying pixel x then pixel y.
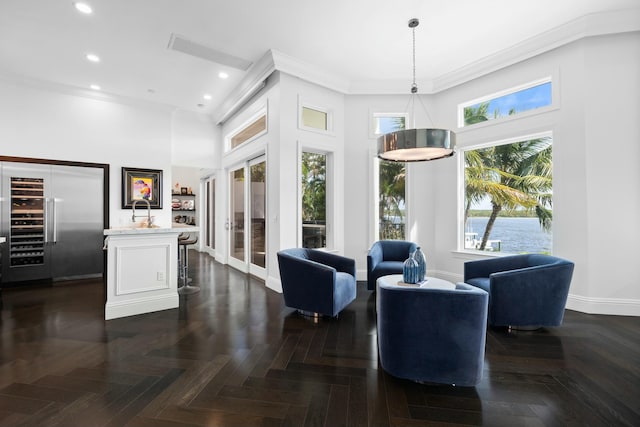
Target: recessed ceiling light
{"type": "Point", "coordinates": [83, 7]}
{"type": "Point", "coordinates": [95, 87]}
{"type": "Point", "coordinates": [93, 58]}
{"type": "Point", "coordinates": [206, 96]}
{"type": "Point", "coordinates": [223, 75]}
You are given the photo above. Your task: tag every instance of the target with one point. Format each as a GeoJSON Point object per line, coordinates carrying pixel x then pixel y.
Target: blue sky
{"type": "Point", "coordinates": [528, 99]}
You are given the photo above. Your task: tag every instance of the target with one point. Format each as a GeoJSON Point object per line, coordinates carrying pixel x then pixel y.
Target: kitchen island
{"type": "Point", "coordinates": [142, 269]}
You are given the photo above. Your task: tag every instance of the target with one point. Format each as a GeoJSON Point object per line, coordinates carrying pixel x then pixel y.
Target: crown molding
{"type": "Point", "coordinates": [621, 21]}
{"type": "Point", "coordinates": [616, 22]}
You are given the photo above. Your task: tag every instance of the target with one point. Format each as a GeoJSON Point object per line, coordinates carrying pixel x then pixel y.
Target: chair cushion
{"type": "Point", "coordinates": [480, 282]}
{"type": "Point", "coordinates": [385, 268]}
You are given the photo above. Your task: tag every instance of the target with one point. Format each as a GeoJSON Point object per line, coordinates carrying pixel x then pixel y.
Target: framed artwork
{"type": "Point", "coordinates": [141, 184]}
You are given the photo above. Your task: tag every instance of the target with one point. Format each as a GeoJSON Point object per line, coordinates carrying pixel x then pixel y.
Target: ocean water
{"type": "Point", "coordinates": [517, 234]}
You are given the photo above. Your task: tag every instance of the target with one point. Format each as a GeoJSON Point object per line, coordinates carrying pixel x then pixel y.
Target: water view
{"type": "Point", "coordinates": [516, 235]}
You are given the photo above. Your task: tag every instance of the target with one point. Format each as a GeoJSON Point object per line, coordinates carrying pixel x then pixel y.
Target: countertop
{"type": "Point", "coordinates": [156, 229]}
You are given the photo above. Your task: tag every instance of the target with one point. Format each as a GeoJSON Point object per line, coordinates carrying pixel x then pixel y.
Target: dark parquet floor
{"type": "Point", "coordinates": [234, 355]}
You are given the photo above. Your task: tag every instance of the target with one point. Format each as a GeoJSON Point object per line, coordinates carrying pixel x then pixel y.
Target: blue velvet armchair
{"type": "Point", "coordinates": [433, 335]}
{"type": "Point", "coordinates": [316, 281]}
{"type": "Point", "coordinates": [526, 291]}
{"type": "Point", "coordinates": [387, 257]}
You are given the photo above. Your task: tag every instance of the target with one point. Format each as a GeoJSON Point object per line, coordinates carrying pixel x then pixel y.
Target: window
{"type": "Point", "coordinates": [391, 201]}
{"type": "Point", "coordinates": [314, 119]}
{"type": "Point", "coordinates": [314, 200]}
{"type": "Point", "coordinates": [390, 209]}
{"type": "Point", "coordinates": [508, 196]}
{"type": "Point", "coordinates": [382, 123]}
{"type": "Point", "coordinates": [255, 128]}
{"type": "Point", "coordinates": [506, 103]}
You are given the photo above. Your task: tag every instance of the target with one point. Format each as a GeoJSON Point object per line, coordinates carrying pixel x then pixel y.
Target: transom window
{"type": "Point", "coordinates": [315, 119]}
{"type": "Point", "coordinates": [506, 103]}
{"type": "Point", "coordinates": [252, 130]}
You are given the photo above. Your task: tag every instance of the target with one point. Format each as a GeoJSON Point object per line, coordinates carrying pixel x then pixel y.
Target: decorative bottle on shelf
{"type": "Point", "coordinates": [420, 259]}
{"type": "Point", "coordinates": [410, 271]}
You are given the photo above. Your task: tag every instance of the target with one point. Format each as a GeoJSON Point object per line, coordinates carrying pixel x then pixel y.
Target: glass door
{"type": "Point", "coordinates": [258, 233]}
{"type": "Point", "coordinates": [28, 222]}
{"type": "Point", "coordinates": [210, 215]}
{"type": "Point", "coordinates": [247, 217]}
{"type": "Point", "coordinates": [236, 220]}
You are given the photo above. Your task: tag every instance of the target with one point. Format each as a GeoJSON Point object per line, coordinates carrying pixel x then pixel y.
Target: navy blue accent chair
{"type": "Point", "coordinates": [433, 335]}
{"type": "Point", "coordinates": [527, 291]}
{"type": "Point", "coordinates": [316, 281]}
{"type": "Point", "coordinates": [387, 257]}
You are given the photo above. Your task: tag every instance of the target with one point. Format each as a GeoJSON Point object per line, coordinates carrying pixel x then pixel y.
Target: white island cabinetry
{"type": "Point", "coordinates": [142, 269]}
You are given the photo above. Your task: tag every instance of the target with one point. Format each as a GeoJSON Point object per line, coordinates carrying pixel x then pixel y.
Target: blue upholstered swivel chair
{"type": "Point", "coordinates": [316, 282]}
{"type": "Point", "coordinates": [387, 257]}
{"type": "Point", "coordinates": [525, 291]}
{"type": "Point", "coordinates": [432, 335]}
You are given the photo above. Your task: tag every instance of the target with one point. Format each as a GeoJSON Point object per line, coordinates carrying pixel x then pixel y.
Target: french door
{"type": "Point", "coordinates": [246, 222]}
{"type": "Point", "coordinates": [209, 186]}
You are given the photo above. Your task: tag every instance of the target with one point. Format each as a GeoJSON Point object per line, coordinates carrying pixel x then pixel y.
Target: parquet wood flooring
{"type": "Point", "coordinates": [234, 355]}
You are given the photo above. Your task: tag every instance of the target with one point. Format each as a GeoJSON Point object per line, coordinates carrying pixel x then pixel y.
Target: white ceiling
{"type": "Point", "coordinates": [364, 42]}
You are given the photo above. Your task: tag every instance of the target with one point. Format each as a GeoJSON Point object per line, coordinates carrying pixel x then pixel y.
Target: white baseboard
{"type": "Point", "coordinates": [274, 284]}
{"type": "Point", "coordinates": [607, 306]}
{"type": "Point", "coordinates": [610, 306]}
{"type": "Point", "coordinates": [140, 306]}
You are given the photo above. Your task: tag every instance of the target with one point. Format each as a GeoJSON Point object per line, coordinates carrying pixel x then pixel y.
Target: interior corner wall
{"type": "Point", "coordinates": [44, 123]}
{"type": "Point", "coordinates": [593, 223]}
{"type": "Point", "coordinates": [596, 197]}
{"type": "Point", "coordinates": [612, 135]}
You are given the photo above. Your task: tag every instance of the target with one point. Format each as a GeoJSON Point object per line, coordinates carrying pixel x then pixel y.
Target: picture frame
{"type": "Point", "coordinates": [184, 190]}
{"type": "Point", "coordinates": [141, 184]}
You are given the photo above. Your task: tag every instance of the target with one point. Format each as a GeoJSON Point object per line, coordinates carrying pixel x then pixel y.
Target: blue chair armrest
{"type": "Point", "coordinates": [488, 266]}
{"type": "Point", "coordinates": [340, 263]}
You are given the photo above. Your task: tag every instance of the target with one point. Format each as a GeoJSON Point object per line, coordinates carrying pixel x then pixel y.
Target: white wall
{"type": "Point", "coordinates": [41, 122]}
{"type": "Point", "coordinates": [596, 177]}
{"type": "Point", "coordinates": [282, 143]}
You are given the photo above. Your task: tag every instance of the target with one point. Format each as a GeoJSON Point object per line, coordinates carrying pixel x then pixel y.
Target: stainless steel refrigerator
{"type": "Point", "coordinates": [52, 218]}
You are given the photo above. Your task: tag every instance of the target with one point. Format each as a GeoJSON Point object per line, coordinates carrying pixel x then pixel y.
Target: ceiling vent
{"type": "Point", "coordinates": [189, 47]}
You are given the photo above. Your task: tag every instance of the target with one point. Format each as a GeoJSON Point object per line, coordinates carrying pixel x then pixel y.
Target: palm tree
{"type": "Point", "coordinates": [516, 175]}
{"type": "Point", "coordinates": [476, 114]}
{"type": "Point", "coordinates": [392, 197]}
{"type": "Point", "coordinates": [314, 187]}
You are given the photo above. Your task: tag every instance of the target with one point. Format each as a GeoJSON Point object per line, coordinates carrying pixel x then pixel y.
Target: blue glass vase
{"type": "Point", "coordinates": [410, 271]}
{"type": "Point", "coordinates": [419, 257]}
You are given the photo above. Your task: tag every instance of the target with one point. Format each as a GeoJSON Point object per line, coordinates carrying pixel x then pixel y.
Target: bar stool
{"type": "Point", "coordinates": [184, 240]}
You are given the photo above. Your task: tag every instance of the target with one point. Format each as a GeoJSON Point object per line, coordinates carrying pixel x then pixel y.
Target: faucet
{"type": "Point", "coordinates": [133, 215]}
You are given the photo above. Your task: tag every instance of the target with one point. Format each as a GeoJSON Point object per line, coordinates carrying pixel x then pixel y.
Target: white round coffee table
{"type": "Point", "coordinates": [395, 281]}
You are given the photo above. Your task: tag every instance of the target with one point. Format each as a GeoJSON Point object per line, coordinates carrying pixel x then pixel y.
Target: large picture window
{"type": "Point", "coordinates": [508, 197]}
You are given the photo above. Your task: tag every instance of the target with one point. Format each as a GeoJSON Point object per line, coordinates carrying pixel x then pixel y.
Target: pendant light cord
{"type": "Point", "coordinates": [413, 23]}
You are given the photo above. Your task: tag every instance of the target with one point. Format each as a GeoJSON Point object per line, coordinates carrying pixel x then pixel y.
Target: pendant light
{"type": "Point", "coordinates": [416, 145]}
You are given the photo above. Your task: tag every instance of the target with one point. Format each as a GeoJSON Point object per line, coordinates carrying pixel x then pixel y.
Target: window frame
{"type": "Point", "coordinates": [330, 191]}
{"type": "Point", "coordinates": [302, 104]}
{"type": "Point", "coordinates": [375, 115]}
{"type": "Point", "coordinates": [462, 184]}
{"type": "Point", "coordinates": [509, 91]}
{"type": "Point", "coordinates": [262, 112]}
